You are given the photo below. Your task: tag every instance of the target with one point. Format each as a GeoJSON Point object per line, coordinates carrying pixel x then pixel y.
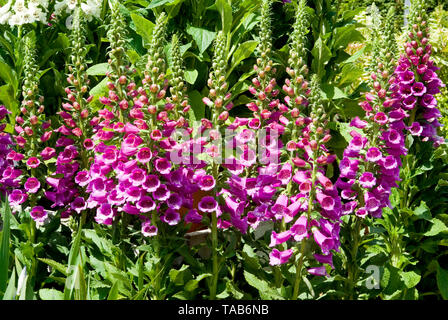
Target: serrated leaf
{"type": "Point", "coordinates": [243, 51]}
{"type": "Point", "coordinates": [264, 288]}
{"type": "Point", "coordinates": [56, 265]}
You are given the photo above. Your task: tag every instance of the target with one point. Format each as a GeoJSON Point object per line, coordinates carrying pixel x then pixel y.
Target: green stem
{"type": "Point", "coordinates": [214, 231]}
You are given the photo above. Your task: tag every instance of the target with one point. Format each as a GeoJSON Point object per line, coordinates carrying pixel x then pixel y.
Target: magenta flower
{"type": "Point", "coordinates": [151, 183]}
{"type": "Point", "coordinates": [318, 271]}
{"type": "Point", "coordinates": [144, 155]}
{"type": "Point", "coordinates": [367, 180]}
{"type": "Point", "coordinates": [325, 243]}
{"type": "Point", "coordinates": [163, 166]}
{"type": "Point", "coordinates": [374, 154]}
{"type": "Point", "coordinates": [299, 229]}
{"type": "Point", "coordinates": [32, 185]}
{"type": "Point", "coordinates": [206, 183]}
{"type": "Point", "coordinates": [137, 177]}
{"type": "Point", "coordinates": [17, 197]}
{"type": "Point", "coordinates": [208, 204]}
{"type": "Point", "coordinates": [39, 214]}
{"type": "Point", "coordinates": [105, 214]}
{"type": "Point", "coordinates": [82, 178]}
{"type": "Point", "coordinates": [33, 162]}
{"type": "Point", "coordinates": [171, 217]}
{"type": "Point", "coordinates": [193, 216]}
{"type": "Point", "coordinates": [146, 204]}
{"type": "Point", "coordinates": [162, 193]}
{"type": "Point", "coordinates": [148, 230]}
{"type": "Point", "coordinates": [78, 204]}
{"type": "Point", "coordinates": [277, 257]}
{"type": "Point", "coordinates": [279, 238]}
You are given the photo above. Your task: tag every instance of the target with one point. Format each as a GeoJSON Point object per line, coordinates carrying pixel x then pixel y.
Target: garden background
{"type": "Point", "coordinates": [68, 68]}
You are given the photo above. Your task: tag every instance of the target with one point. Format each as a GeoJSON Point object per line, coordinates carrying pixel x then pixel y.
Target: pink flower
{"type": "Point", "coordinates": [279, 238]}
{"type": "Point", "coordinates": [38, 214]}
{"type": "Point", "coordinates": [144, 155]}
{"type": "Point", "coordinates": [148, 230]}
{"type": "Point", "coordinates": [207, 183]}
{"type": "Point", "coordinates": [32, 185]}
{"type": "Point", "coordinates": [277, 257]}
{"type": "Point", "coordinates": [33, 162]}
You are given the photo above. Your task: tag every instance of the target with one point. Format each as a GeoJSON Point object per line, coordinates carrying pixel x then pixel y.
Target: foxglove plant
{"type": "Point", "coordinates": [32, 131]}
{"type": "Point", "coordinates": [416, 80]}
{"type": "Point", "coordinates": [74, 159]}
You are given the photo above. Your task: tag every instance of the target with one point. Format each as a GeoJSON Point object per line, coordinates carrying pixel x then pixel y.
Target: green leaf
{"type": "Point", "coordinates": [179, 277]}
{"type": "Point", "coordinates": [4, 246]}
{"type": "Point", "coordinates": [331, 92]}
{"type": "Point", "coordinates": [196, 103]}
{"type": "Point", "coordinates": [437, 227]}
{"type": "Point", "coordinates": [345, 35]}
{"type": "Point", "coordinates": [51, 294]}
{"type": "Point", "coordinates": [442, 281]}
{"type": "Point", "coordinates": [158, 3]}
{"type": "Point", "coordinates": [225, 10]}
{"type": "Point", "coordinates": [202, 37]}
{"type": "Point", "coordinates": [422, 211]}
{"type": "Point", "coordinates": [8, 74]}
{"type": "Point", "coordinates": [10, 292]}
{"type": "Point", "coordinates": [244, 51]}
{"type": "Point", "coordinates": [143, 26]}
{"type": "Point", "coordinates": [99, 69]}
{"type": "Point", "coordinates": [113, 293]}
{"type": "Point", "coordinates": [191, 76]}
{"type": "Point", "coordinates": [55, 265]}
{"type": "Point", "coordinates": [411, 279]}
{"type": "Point", "coordinates": [264, 288]}
{"type": "Point", "coordinates": [322, 54]}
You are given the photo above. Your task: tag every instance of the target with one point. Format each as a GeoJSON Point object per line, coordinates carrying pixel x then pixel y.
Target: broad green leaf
{"type": "Point", "coordinates": [51, 294]}
{"type": "Point", "coordinates": [345, 35]}
{"type": "Point", "coordinates": [437, 227]}
{"type": "Point", "coordinates": [264, 288]}
{"type": "Point", "coordinates": [8, 74]}
{"type": "Point", "coordinates": [243, 52]}
{"type": "Point", "coordinates": [143, 26]}
{"type": "Point", "coordinates": [321, 54]}
{"type": "Point", "coordinates": [422, 211]}
{"type": "Point", "coordinates": [442, 281]}
{"type": "Point", "coordinates": [179, 277]}
{"type": "Point", "coordinates": [102, 243]}
{"type": "Point", "coordinates": [331, 92]}
{"type": "Point", "coordinates": [202, 37]}
{"type": "Point", "coordinates": [411, 279]}
{"type": "Point", "coordinates": [99, 69]}
{"type": "Point", "coordinates": [225, 10]}
{"type": "Point", "coordinates": [196, 103]}
{"type": "Point", "coordinates": [191, 76]}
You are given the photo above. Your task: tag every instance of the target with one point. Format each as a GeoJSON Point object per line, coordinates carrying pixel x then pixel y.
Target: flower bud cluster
{"type": "Point", "coordinates": [296, 87]}
{"type": "Point", "coordinates": [264, 84]}
{"type": "Point", "coordinates": [156, 82]}
{"type": "Point", "coordinates": [218, 99]}
{"type": "Point", "coordinates": [178, 88]}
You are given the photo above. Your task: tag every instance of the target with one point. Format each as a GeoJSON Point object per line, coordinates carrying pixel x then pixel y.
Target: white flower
{"type": "Point", "coordinates": [91, 8]}
{"type": "Point", "coordinates": [5, 13]}
{"type": "Point", "coordinates": [19, 6]}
